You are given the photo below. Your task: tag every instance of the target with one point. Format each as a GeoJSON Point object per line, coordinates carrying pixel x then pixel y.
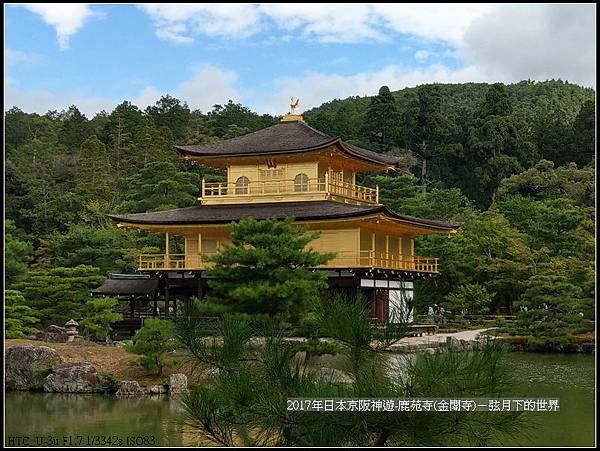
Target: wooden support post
{"type": "Point", "coordinates": [203, 190]}
{"type": "Point", "coordinates": [387, 250]}
{"type": "Point", "coordinates": [373, 253]}
{"type": "Point", "coordinates": [167, 245]}
{"type": "Point", "coordinates": [199, 253]}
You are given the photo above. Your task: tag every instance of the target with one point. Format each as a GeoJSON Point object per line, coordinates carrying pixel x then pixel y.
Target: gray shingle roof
{"type": "Point", "coordinates": [284, 137]}
{"type": "Point", "coordinates": [128, 284]}
{"type": "Point", "coordinates": [302, 211]}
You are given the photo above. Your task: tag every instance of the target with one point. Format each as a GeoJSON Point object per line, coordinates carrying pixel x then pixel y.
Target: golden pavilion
{"type": "Point", "coordinates": [288, 169]}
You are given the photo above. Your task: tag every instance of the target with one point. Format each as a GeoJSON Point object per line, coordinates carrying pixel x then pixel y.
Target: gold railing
{"type": "Point", "coordinates": [384, 260]}
{"type": "Point", "coordinates": [172, 261]}
{"type": "Point", "coordinates": [362, 259]}
{"type": "Point", "coordinates": [353, 191]}
{"type": "Point", "coordinates": [324, 185]}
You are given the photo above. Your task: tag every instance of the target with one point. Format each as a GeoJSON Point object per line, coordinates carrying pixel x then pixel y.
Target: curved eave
{"type": "Point", "coordinates": [334, 142]}
{"type": "Point", "coordinates": [434, 226]}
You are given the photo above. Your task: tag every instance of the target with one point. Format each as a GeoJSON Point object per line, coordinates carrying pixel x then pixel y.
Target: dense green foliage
{"type": "Point", "coordinates": [152, 341]}
{"type": "Point", "coordinates": [266, 269]}
{"type": "Point", "coordinates": [471, 135]}
{"type": "Point", "coordinates": [19, 318]}
{"type": "Point", "coordinates": [514, 163]}
{"type": "Point", "coordinates": [245, 403]}
{"type": "Point", "coordinates": [98, 315]}
{"type": "Point", "coordinates": [60, 294]}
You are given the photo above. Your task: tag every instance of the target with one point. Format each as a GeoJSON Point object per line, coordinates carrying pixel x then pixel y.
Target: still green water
{"type": "Point", "coordinates": [63, 420]}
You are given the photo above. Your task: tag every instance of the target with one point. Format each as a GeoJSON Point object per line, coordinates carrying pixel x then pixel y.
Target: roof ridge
{"type": "Point", "coordinates": [318, 131]}
{"type": "Point", "coordinates": [245, 135]}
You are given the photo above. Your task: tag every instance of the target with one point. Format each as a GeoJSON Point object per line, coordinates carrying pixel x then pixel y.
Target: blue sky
{"type": "Point", "coordinates": [261, 55]}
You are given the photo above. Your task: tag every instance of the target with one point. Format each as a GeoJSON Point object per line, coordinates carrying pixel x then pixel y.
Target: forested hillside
{"type": "Point", "coordinates": [515, 163]}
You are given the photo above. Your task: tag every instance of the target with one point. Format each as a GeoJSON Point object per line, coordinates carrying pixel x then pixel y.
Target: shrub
{"type": "Point", "coordinates": [109, 383]}
{"type": "Point", "coordinates": [99, 314]}
{"type": "Point", "coordinates": [152, 341]}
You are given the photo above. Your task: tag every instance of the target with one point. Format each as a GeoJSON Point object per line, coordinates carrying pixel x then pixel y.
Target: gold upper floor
{"type": "Point", "coordinates": [360, 243]}
{"type": "Point", "coordinates": [289, 179]}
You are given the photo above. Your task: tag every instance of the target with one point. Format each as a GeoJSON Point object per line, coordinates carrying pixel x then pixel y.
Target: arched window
{"type": "Point", "coordinates": [241, 185]}
{"type": "Point", "coordinates": [301, 182]}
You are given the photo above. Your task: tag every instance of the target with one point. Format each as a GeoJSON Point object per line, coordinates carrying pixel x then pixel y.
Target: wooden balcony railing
{"type": "Point", "coordinates": [362, 259]}
{"type": "Point", "coordinates": [323, 185]}
{"type": "Point", "coordinates": [383, 260]}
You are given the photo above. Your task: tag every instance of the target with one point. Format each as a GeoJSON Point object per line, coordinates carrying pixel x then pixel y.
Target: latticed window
{"type": "Point", "coordinates": [271, 174]}
{"type": "Point", "coordinates": [241, 185]}
{"type": "Point", "coordinates": [301, 182]}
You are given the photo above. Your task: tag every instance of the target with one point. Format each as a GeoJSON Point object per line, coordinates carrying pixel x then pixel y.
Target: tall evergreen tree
{"type": "Point", "coordinates": [583, 149]}
{"type": "Point", "coordinates": [94, 179]}
{"type": "Point", "coordinates": [170, 112]}
{"type": "Point", "coordinates": [75, 129]}
{"type": "Point", "coordinates": [381, 120]}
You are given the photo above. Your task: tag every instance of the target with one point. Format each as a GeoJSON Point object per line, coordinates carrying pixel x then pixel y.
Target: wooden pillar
{"type": "Point", "coordinates": [132, 307]}
{"type": "Point", "coordinates": [400, 253]}
{"type": "Point", "coordinates": [387, 250]}
{"type": "Point", "coordinates": [373, 249]}
{"type": "Point", "coordinates": [167, 263]}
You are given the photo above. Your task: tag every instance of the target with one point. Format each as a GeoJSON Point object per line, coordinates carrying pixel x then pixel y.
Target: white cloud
{"type": "Point", "coordinates": [535, 41]}
{"type": "Point", "coordinates": [208, 86]}
{"type": "Point", "coordinates": [14, 57]}
{"type": "Point", "coordinates": [42, 101]}
{"type": "Point", "coordinates": [326, 22]}
{"type": "Point", "coordinates": [178, 22]}
{"type": "Point", "coordinates": [421, 55]}
{"type": "Point", "coordinates": [438, 22]}
{"type": "Point", "coordinates": [66, 18]}
{"type": "Point", "coordinates": [506, 42]}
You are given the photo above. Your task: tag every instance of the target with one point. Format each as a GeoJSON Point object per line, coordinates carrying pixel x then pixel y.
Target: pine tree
{"type": "Point", "coordinates": [381, 120]}
{"type": "Point", "coordinates": [582, 149]}
{"type": "Point", "coordinates": [94, 177]}
{"type": "Point", "coordinates": [267, 269]}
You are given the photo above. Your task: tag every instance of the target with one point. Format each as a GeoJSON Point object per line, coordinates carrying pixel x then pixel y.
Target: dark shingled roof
{"type": "Point", "coordinates": [128, 284]}
{"type": "Point", "coordinates": [302, 211]}
{"type": "Point", "coordinates": [284, 137]}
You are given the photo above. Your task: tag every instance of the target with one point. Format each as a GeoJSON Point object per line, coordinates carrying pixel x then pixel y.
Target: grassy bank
{"type": "Point", "coordinates": [111, 359]}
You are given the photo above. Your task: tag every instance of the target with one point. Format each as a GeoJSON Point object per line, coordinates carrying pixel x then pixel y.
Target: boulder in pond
{"type": "Point", "coordinates": [156, 389]}
{"type": "Point", "coordinates": [177, 384]}
{"type": "Point", "coordinates": [74, 377]}
{"type": "Point", "coordinates": [129, 388]}
{"type": "Point", "coordinates": [26, 366]}
{"type": "Point", "coordinates": [53, 334]}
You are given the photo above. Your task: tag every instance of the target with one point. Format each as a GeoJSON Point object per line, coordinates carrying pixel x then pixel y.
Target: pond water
{"type": "Point", "coordinates": [46, 419]}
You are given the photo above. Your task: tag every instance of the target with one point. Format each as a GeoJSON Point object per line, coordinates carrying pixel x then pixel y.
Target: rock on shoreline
{"type": "Point", "coordinates": [41, 368]}
{"type": "Point", "coordinates": [27, 366]}
{"type": "Point", "coordinates": [74, 377]}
